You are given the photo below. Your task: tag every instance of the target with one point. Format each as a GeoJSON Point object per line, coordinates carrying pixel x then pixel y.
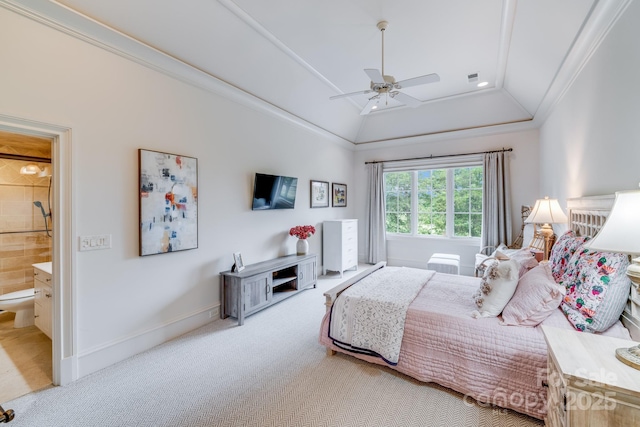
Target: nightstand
{"type": "Point", "coordinates": [588, 386]}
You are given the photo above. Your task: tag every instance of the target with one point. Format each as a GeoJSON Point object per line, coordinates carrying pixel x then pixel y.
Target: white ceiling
{"type": "Point", "coordinates": [292, 55]}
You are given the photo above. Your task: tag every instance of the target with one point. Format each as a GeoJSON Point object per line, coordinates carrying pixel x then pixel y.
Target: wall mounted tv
{"type": "Point", "coordinates": [274, 192]}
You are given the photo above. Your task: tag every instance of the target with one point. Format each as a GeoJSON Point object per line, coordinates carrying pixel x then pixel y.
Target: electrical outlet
{"type": "Point", "coordinates": [92, 243]}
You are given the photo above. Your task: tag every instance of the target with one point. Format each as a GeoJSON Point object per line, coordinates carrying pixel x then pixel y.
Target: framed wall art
{"type": "Point", "coordinates": [339, 195]}
{"type": "Point", "coordinates": [319, 194]}
{"type": "Point", "coordinates": [168, 185]}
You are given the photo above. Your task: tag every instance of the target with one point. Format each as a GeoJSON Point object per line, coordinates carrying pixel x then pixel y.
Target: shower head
{"type": "Point", "coordinates": [38, 204]}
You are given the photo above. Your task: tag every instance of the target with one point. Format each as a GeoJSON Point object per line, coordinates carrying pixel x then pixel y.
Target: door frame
{"type": "Point", "coordinates": [64, 336]}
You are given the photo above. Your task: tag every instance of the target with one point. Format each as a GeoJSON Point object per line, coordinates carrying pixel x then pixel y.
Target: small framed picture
{"type": "Point", "coordinates": [339, 195]}
{"type": "Point", "coordinates": [239, 264]}
{"type": "Point", "coordinates": [319, 194]}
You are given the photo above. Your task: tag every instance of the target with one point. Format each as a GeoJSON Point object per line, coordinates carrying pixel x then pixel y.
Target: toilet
{"type": "Point", "coordinates": [21, 303]}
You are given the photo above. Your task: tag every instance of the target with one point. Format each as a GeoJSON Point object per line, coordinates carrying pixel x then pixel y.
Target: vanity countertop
{"type": "Point", "coordinates": [44, 266]}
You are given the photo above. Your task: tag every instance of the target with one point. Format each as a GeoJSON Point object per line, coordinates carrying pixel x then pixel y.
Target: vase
{"type": "Point", "coordinates": [302, 247]}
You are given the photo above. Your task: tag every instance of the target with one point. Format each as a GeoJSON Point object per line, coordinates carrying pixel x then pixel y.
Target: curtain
{"type": "Point", "coordinates": [376, 244]}
{"type": "Point", "coordinates": [496, 200]}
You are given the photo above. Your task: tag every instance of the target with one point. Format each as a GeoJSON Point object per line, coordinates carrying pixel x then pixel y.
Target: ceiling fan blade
{"type": "Point", "coordinates": [406, 99]}
{"type": "Point", "coordinates": [372, 103]}
{"type": "Point", "coordinates": [344, 95]}
{"type": "Point", "coordinates": [429, 78]}
{"type": "Point", "coordinates": [375, 75]}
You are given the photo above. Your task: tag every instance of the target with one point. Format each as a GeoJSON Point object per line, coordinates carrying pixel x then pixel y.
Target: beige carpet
{"type": "Point", "coordinates": [269, 372]}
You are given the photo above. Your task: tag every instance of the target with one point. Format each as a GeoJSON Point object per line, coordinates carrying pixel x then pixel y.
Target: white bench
{"type": "Point", "coordinates": [444, 263]}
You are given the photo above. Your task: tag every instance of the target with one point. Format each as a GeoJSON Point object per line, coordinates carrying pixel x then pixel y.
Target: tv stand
{"type": "Point", "coordinates": [261, 285]}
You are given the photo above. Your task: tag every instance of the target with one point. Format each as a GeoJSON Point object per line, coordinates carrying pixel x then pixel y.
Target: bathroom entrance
{"type": "Point", "coordinates": [26, 253]}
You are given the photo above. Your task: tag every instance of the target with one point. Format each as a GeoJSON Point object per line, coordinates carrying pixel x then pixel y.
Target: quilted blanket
{"type": "Point", "coordinates": [369, 318]}
{"type": "Point", "coordinates": [479, 358]}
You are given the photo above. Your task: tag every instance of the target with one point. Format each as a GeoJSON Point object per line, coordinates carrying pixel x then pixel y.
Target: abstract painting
{"type": "Point", "coordinates": [168, 202]}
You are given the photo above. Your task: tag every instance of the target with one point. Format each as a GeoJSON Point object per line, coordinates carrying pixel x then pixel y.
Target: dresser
{"type": "Point", "coordinates": [339, 245]}
{"type": "Point", "coordinates": [263, 284]}
{"type": "Point", "coordinates": [43, 301]}
{"type": "Point", "coordinates": [588, 385]}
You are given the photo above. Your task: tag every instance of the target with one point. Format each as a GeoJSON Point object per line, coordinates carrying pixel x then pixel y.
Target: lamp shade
{"type": "Point", "coordinates": [546, 211]}
{"type": "Point", "coordinates": [621, 232]}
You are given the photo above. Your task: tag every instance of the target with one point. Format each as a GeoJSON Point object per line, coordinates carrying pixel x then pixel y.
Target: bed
{"type": "Point", "coordinates": [482, 358]}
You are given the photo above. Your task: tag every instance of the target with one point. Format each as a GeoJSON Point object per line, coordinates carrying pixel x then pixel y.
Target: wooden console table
{"type": "Point", "coordinates": [260, 285]}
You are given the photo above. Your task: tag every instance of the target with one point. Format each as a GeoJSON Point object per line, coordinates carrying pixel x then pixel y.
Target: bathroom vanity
{"type": "Point", "coordinates": [43, 297]}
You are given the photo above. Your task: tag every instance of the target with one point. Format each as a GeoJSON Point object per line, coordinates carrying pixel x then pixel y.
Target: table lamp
{"type": "Point", "coordinates": [621, 234]}
{"type": "Point", "coordinates": [546, 212]}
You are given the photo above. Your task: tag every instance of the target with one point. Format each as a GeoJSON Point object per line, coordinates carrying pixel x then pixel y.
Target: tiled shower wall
{"type": "Point", "coordinates": [22, 241]}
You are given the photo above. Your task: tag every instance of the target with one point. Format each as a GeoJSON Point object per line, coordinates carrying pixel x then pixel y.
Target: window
{"type": "Point", "coordinates": [443, 202]}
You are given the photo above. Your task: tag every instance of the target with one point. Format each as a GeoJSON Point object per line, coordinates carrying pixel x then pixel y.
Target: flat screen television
{"type": "Point", "coordinates": [274, 192]}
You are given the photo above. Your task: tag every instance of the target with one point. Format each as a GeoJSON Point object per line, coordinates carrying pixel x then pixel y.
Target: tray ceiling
{"type": "Point", "coordinates": [292, 55]}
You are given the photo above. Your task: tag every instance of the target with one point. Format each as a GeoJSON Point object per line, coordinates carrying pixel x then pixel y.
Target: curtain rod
{"type": "Point", "coordinates": [438, 157]}
{"type": "Point", "coordinates": [24, 158]}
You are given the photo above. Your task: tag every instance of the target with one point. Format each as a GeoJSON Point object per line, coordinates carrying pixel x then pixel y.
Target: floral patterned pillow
{"type": "Point", "coordinates": [562, 252]}
{"type": "Point", "coordinates": [597, 290]}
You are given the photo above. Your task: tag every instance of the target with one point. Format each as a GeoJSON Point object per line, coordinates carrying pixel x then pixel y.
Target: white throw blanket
{"type": "Point", "coordinates": [369, 316]}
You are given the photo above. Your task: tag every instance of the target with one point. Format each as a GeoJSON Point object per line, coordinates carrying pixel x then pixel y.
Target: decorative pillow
{"type": "Point", "coordinates": [598, 293]}
{"type": "Point", "coordinates": [536, 297]}
{"type": "Point", "coordinates": [571, 269]}
{"type": "Point", "coordinates": [496, 288]}
{"type": "Point", "coordinates": [562, 251]}
{"type": "Point", "coordinates": [525, 258]}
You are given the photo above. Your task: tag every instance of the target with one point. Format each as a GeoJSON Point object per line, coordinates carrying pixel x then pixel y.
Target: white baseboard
{"type": "Point", "coordinates": [106, 355]}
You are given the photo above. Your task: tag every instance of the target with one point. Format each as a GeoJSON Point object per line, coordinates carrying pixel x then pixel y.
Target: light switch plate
{"type": "Point", "coordinates": [92, 243]}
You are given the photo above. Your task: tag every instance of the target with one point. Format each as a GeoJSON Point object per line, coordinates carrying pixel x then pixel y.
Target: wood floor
{"type": "Point", "coordinates": [25, 359]}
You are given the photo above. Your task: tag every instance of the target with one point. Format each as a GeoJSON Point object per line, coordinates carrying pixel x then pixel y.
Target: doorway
{"type": "Point", "coordinates": [61, 221]}
{"type": "Point", "coordinates": [25, 243]}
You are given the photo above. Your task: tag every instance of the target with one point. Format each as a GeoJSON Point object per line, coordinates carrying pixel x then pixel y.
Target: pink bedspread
{"type": "Point", "coordinates": [489, 362]}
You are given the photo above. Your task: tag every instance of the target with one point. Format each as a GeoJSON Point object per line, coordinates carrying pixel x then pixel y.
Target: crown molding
{"type": "Point", "coordinates": [82, 27]}
{"type": "Point", "coordinates": [603, 16]}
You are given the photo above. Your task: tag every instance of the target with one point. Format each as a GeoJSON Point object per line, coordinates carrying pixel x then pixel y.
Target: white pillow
{"type": "Point", "coordinates": [498, 285]}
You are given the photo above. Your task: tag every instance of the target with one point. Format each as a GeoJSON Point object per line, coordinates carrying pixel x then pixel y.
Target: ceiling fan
{"type": "Point", "coordinates": [382, 84]}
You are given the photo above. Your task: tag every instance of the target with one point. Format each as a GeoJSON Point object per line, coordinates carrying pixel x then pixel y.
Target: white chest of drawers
{"type": "Point", "coordinates": [339, 245]}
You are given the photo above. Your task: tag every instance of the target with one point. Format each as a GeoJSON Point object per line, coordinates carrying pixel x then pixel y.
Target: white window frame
{"type": "Point", "coordinates": [448, 163]}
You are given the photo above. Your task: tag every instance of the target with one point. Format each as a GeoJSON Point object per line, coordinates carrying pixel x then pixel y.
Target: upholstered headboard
{"type": "Point", "coordinates": [586, 217]}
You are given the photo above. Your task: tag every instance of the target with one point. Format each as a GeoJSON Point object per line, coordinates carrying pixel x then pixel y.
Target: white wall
{"type": "Point", "coordinates": [590, 144]}
{"type": "Point", "coordinates": [114, 107]}
{"type": "Point", "coordinates": [414, 252]}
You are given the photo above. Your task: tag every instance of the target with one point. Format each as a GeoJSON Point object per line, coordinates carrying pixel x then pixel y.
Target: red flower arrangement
{"type": "Point", "coordinates": [302, 231]}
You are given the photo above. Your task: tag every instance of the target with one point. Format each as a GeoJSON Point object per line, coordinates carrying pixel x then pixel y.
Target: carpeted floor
{"type": "Point", "coordinates": [269, 372]}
